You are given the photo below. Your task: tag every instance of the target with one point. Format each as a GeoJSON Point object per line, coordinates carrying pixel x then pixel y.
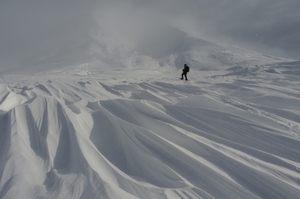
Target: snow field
{"type": "Point", "coordinates": [142, 134]}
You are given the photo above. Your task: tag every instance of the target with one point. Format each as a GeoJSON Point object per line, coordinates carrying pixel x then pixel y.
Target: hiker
{"type": "Point", "coordinates": [185, 70]}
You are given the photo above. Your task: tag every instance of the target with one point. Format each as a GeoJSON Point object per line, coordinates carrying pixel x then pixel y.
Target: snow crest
{"type": "Point", "coordinates": [142, 134]}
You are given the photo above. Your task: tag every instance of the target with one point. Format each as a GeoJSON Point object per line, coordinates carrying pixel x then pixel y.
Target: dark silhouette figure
{"type": "Point", "coordinates": [185, 70]}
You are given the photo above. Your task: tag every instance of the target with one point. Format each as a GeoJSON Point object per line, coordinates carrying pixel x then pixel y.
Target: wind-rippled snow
{"type": "Point", "coordinates": [147, 134]}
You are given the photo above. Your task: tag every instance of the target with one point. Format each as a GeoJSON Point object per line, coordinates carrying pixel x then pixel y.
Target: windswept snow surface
{"type": "Point", "coordinates": [82, 133]}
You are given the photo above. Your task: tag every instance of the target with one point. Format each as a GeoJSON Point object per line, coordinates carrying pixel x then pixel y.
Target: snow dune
{"type": "Point", "coordinates": [146, 134]}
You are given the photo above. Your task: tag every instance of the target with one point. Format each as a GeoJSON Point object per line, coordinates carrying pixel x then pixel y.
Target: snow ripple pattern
{"type": "Point", "coordinates": [221, 137]}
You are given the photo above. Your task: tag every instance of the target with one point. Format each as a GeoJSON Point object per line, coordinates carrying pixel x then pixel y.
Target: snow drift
{"type": "Point", "coordinates": [85, 133]}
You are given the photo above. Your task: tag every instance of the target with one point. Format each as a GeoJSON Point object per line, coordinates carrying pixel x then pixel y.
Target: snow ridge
{"type": "Point", "coordinates": [145, 134]}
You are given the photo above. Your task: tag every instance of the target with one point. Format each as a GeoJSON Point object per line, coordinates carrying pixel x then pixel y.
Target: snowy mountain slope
{"type": "Point", "coordinates": [172, 48]}
{"type": "Point", "coordinates": [89, 133]}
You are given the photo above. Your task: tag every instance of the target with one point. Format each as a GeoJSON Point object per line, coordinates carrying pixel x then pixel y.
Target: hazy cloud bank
{"type": "Point", "coordinates": [42, 27]}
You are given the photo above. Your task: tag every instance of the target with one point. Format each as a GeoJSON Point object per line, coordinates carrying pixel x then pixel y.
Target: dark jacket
{"type": "Point", "coordinates": [186, 68]}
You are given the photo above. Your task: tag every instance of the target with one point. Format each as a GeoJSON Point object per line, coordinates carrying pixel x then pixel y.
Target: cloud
{"type": "Point", "coordinates": [261, 25]}
{"type": "Point", "coordinates": [31, 28]}
{"type": "Point", "coordinates": [269, 26]}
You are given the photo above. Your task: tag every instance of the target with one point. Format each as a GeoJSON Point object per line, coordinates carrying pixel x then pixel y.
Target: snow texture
{"type": "Point", "coordinates": [132, 129]}
{"type": "Point", "coordinates": [83, 132]}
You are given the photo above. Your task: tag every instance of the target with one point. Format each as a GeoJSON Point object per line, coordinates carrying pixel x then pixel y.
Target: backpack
{"type": "Point", "coordinates": [187, 68]}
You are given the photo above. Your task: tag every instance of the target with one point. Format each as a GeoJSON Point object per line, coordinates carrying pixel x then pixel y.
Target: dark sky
{"type": "Point", "coordinates": [30, 27]}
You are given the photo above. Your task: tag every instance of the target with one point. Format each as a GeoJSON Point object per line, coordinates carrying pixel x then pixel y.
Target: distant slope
{"type": "Point", "coordinates": [98, 49]}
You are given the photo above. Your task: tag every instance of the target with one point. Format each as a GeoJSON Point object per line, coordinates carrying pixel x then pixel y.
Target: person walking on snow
{"type": "Point", "coordinates": [185, 70]}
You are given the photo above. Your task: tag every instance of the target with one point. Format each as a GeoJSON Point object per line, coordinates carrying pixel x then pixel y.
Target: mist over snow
{"type": "Point", "coordinates": [91, 104]}
{"type": "Point", "coordinates": [52, 34]}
